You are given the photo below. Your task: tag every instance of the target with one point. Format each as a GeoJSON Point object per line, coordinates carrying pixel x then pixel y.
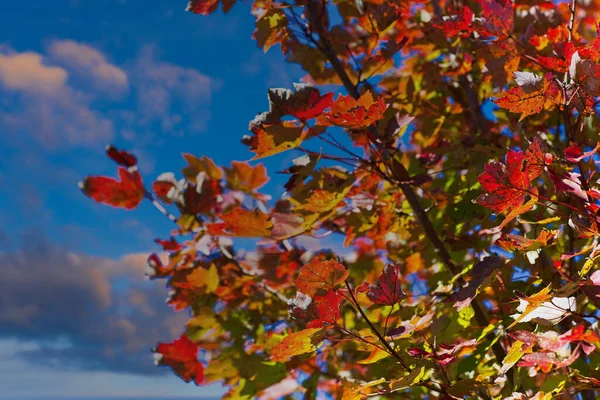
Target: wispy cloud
{"type": "Point", "coordinates": [90, 64]}
{"type": "Point", "coordinates": [177, 97]}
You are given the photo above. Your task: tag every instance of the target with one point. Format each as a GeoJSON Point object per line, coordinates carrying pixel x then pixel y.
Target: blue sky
{"type": "Point", "coordinates": [77, 317]}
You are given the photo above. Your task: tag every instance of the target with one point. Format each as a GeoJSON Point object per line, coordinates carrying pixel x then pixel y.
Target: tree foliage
{"type": "Point", "coordinates": [457, 166]}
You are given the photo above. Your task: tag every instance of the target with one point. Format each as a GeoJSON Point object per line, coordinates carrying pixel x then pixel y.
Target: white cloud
{"type": "Point", "coordinates": [90, 63]}
{"type": "Point", "coordinates": [171, 94]}
{"type": "Point", "coordinates": [44, 106]}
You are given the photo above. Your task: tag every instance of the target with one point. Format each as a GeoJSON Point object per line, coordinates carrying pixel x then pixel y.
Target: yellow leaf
{"type": "Point", "coordinates": [297, 343]}
{"type": "Point", "coordinates": [533, 302]}
{"type": "Point", "coordinates": [516, 351]}
{"type": "Point", "coordinates": [376, 355]}
{"type": "Point", "coordinates": [414, 377]}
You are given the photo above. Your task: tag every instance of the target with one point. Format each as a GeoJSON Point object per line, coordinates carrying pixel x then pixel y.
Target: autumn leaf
{"type": "Point", "coordinates": [574, 154]}
{"type": "Point", "coordinates": [127, 192]}
{"type": "Point", "coordinates": [304, 102]}
{"type": "Point", "coordinates": [543, 307]}
{"type": "Point", "coordinates": [242, 176]}
{"type": "Point", "coordinates": [200, 277]}
{"type": "Point", "coordinates": [182, 356]}
{"type": "Point", "coordinates": [499, 18]}
{"type": "Point", "coordinates": [386, 290]}
{"type": "Point", "coordinates": [507, 186]}
{"type": "Point", "coordinates": [354, 114]}
{"type": "Point", "coordinates": [121, 157]}
{"type": "Point", "coordinates": [297, 343]}
{"type": "Point", "coordinates": [320, 275]}
{"type": "Point", "coordinates": [376, 355]}
{"type": "Point", "coordinates": [273, 139]}
{"type": "Point", "coordinates": [512, 242]}
{"type": "Point", "coordinates": [241, 223]}
{"type": "Point", "coordinates": [198, 165]}
{"type": "Point", "coordinates": [460, 24]}
{"type": "Point", "coordinates": [532, 95]}
{"type": "Point", "coordinates": [514, 354]}
{"type": "Point", "coordinates": [327, 309]}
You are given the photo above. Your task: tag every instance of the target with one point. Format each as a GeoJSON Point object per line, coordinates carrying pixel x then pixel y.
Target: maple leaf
{"type": "Point", "coordinates": [532, 95]}
{"type": "Point", "coordinates": [386, 290]}
{"type": "Point", "coordinates": [127, 192]}
{"type": "Point", "coordinates": [241, 223]}
{"type": "Point", "coordinates": [460, 24]}
{"type": "Point", "coordinates": [297, 343]}
{"type": "Point", "coordinates": [182, 356]}
{"type": "Point", "coordinates": [121, 157]}
{"type": "Point", "coordinates": [586, 73]}
{"type": "Point", "coordinates": [504, 183]}
{"type": "Point", "coordinates": [242, 176]}
{"type": "Point", "coordinates": [304, 103]}
{"type": "Point", "coordinates": [499, 18]}
{"type": "Point", "coordinates": [512, 242]}
{"type": "Point", "coordinates": [327, 309]}
{"type": "Point", "coordinates": [320, 275]}
{"type": "Point", "coordinates": [197, 165]}
{"type": "Point", "coordinates": [353, 113]}
{"type": "Point", "coordinates": [273, 139]}
{"type": "Point", "coordinates": [507, 185]}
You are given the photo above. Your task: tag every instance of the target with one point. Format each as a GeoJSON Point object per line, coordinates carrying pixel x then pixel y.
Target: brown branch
{"type": "Point", "coordinates": [375, 331]}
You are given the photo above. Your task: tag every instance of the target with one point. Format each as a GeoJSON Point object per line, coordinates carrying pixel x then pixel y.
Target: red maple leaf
{"type": "Point", "coordinates": [127, 192]}
{"type": "Point", "coordinates": [386, 290]}
{"type": "Point", "coordinates": [182, 356]}
{"type": "Point", "coordinates": [327, 309]}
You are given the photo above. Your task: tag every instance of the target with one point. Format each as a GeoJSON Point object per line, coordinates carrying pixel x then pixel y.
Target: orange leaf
{"type": "Point", "coordinates": [242, 223]}
{"type": "Point", "coordinates": [531, 98]}
{"type": "Point", "coordinates": [318, 275]}
{"type": "Point", "coordinates": [297, 343]}
{"type": "Point", "coordinates": [127, 192]}
{"type": "Point", "coordinates": [354, 114]}
{"type": "Point", "coordinates": [242, 176]}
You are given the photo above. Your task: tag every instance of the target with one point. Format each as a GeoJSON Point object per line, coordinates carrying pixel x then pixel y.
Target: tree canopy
{"type": "Point", "coordinates": [451, 147]}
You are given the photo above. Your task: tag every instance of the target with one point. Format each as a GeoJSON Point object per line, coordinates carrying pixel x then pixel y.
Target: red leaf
{"type": "Point", "coordinates": [169, 245]}
{"type": "Point", "coordinates": [182, 356]}
{"type": "Point", "coordinates": [461, 24]}
{"type": "Point", "coordinates": [328, 309]}
{"type": "Point", "coordinates": [127, 192]}
{"type": "Point", "coordinates": [573, 152]}
{"type": "Point", "coordinates": [305, 102]}
{"type": "Point", "coordinates": [499, 19]}
{"type": "Point", "coordinates": [121, 157]}
{"type": "Point", "coordinates": [386, 290]}
{"type": "Point", "coordinates": [418, 353]}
